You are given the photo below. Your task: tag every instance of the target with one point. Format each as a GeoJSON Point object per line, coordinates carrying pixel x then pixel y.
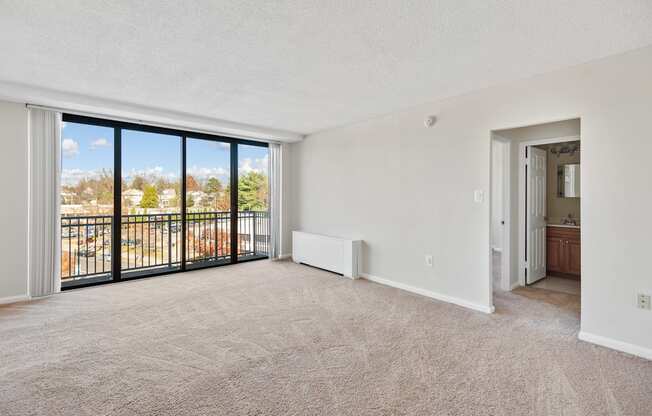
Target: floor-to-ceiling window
{"type": "Point", "coordinates": [151, 207]}
{"type": "Point", "coordinates": [139, 200]}
{"type": "Point", "coordinates": [253, 201]}
{"type": "Point", "coordinates": [208, 202]}
{"type": "Point", "coordinates": [87, 210]}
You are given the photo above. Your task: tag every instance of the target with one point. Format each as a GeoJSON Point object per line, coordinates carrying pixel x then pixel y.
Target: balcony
{"type": "Point", "coordinates": [152, 243]}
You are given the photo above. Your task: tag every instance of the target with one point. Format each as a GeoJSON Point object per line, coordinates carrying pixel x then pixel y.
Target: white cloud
{"type": "Point", "coordinates": [259, 165]}
{"type": "Point", "coordinates": [100, 143]}
{"type": "Point", "coordinates": [69, 148]}
{"type": "Point", "coordinates": [205, 173]}
{"type": "Point", "coordinates": [152, 173]}
{"type": "Point", "coordinates": [73, 176]}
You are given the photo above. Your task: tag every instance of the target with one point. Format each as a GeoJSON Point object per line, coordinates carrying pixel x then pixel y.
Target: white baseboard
{"type": "Point", "coordinates": [616, 345]}
{"type": "Point", "coordinates": [514, 285]}
{"type": "Point", "coordinates": [428, 293]}
{"type": "Point", "coordinates": [284, 256]}
{"type": "Point", "coordinates": [14, 299]}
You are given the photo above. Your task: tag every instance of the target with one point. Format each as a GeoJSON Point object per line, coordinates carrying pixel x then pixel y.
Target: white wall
{"type": "Point", "coordinates": [497, 185]}
{"type": "Point", "coordinates": [13, 182]}
{"type": "Point", "coordinates": [407, 190]}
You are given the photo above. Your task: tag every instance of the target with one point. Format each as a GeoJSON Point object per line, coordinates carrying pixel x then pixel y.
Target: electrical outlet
{"type": "Point", "coordinates": [429, 260]}
{"type": "Point", "coordinates": [644, 301]}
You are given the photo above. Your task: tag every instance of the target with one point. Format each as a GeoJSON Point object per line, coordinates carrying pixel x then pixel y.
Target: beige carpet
{"type": "Point", "coordinates": [281, 339]}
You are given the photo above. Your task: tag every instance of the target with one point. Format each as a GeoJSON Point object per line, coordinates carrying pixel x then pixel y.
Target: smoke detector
{"type": "Point", "coordinates": [429, 121]}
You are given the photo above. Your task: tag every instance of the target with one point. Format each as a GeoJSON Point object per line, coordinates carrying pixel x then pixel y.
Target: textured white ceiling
{"type": "Point", "coordinates": [303, 65]}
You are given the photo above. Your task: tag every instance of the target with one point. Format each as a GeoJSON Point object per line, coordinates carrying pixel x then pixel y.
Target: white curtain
{"type": "Point", "coordinates": [44, 211]}
{"type": "Point", "coordinates": [275, 200]}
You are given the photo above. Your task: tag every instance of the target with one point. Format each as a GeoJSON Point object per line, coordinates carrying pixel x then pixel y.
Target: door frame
{"type": "Point", "coordinates": [522, 232]}
{"type": "Point", "coordinates": [505, 255]}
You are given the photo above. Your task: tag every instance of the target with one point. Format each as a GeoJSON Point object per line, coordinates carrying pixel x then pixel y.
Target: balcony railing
{"type": "Point", "coordinates": [153, 241]}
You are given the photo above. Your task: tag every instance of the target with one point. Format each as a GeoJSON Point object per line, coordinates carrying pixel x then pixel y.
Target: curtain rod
{"type": "Point", "coordinates": [186, 127]}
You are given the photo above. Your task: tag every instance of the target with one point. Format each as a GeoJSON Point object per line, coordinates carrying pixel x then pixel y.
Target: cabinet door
{"type": "Point", "coordinates": [573, 248]}
{"type": "Point", "coordinates": [554, 256]}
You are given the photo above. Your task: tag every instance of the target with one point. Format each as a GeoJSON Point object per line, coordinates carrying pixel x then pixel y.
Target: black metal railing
{"type": "Point", "coordinates": [153, 241]}
{"type": "Point", "coordinates": [85, 246]}
{"type": "Point", "coordinates": [208, 239]}
{"type": "Point", "coordinates": [150, 241]}
{"type": "Point", "coordinates": [253, 233]}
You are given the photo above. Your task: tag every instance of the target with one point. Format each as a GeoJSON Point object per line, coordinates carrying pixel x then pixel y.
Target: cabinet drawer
{"type": "Point", "coordinates": [564, 233]}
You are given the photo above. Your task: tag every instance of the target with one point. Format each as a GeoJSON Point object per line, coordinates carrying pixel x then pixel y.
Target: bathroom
{"type": "Point", "coordinates": [562, 216]}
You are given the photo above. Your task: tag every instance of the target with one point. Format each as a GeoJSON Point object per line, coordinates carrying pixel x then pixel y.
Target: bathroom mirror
{"type": "Point", "coordinates": [568, 181]}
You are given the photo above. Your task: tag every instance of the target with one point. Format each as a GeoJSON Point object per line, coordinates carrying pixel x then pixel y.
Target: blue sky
{"type": "Point", "coordinates": [86, 150]}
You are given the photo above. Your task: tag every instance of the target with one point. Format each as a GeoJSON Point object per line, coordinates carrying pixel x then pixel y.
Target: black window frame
{"type": "Point", "coordinates": [116, 257]}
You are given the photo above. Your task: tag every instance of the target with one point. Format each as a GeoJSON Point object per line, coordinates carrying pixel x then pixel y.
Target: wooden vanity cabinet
{"type": "Point", "coordinates": [563, 251]}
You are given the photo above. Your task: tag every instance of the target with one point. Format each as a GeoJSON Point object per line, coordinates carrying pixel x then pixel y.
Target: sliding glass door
{"type": "Point", "coordinates": [151, 204]}
{"type": "Point", "coordinates": [208, 202]}
{"type": "Point", "coordinates": [87, 209]}
{"type": "Point", "coordinates": [253, 202]}
{"type": "Point", "coordinates": [179, 201]}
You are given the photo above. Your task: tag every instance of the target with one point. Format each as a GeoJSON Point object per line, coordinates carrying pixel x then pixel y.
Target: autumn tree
{"type": "Point", "coordinates": [223, 202]}
{"type": "Point", "coordinates": [192, 184]}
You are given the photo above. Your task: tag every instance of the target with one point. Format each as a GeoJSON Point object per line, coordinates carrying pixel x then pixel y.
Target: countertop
{"type": "Point", "coordinates": [563, 225]}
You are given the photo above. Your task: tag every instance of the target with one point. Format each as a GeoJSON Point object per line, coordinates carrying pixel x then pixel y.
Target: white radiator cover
{"type": "Point", "coordinates": [338, 255]}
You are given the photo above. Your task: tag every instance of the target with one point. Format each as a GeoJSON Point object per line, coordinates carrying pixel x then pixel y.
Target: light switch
{"type": "Point", "coordinates": [478, 196]}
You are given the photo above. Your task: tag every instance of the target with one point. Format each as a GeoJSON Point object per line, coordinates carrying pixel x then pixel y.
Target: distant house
{"type": "Point", "coordinates": [68, 198]}
{"type": "Point", "coordinates": [133, 196]}
{"type": "Point", "coordinates": [167, 198]}
{"type": "Point", "coordinates": [197, 196]}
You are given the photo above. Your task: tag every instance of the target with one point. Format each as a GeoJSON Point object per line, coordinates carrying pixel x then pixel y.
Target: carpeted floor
{"type": "Point", "coordinates": [280, 339]}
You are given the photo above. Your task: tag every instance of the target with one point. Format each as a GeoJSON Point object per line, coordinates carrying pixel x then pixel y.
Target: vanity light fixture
{"type": "Point", "coordinates": [565, 149]}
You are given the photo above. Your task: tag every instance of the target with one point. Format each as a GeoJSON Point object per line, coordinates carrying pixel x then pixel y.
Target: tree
{"type": "Point", "coordinates": [213, 190]}
{"type": "Point", "coordinates": [163, 184]}
{"type": "Point", "coordinates": [213, 186]}
{"type": "Point", "coordinates": [223, 203]}
{"type": "Point", "coordinates": [192, 184]}
{"type": "Point", "coordinates": [138, 182]}
{"type": "Point", "coordinates": [190, 201]}
{"type": "Point", "coordinates": [150, 197]}
{"type": "Point", "coordinates": [252, 192]}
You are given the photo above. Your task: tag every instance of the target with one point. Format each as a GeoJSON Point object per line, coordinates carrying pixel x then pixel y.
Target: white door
{"type": "Point", "coordinates": [536, 214]}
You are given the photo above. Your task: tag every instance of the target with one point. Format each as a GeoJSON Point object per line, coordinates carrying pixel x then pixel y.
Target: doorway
{"type": "Point", "coordinates": [553, 216]}
{"type": "Point", "coordinates": [540, 204]}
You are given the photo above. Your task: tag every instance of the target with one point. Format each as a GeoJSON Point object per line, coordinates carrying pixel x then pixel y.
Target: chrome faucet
{"type": "Point", "coordinates": [569, 220]}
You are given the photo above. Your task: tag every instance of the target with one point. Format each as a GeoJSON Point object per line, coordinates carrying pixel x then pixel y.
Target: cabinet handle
{"type": "Point", "coordinates": [566, 241]}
